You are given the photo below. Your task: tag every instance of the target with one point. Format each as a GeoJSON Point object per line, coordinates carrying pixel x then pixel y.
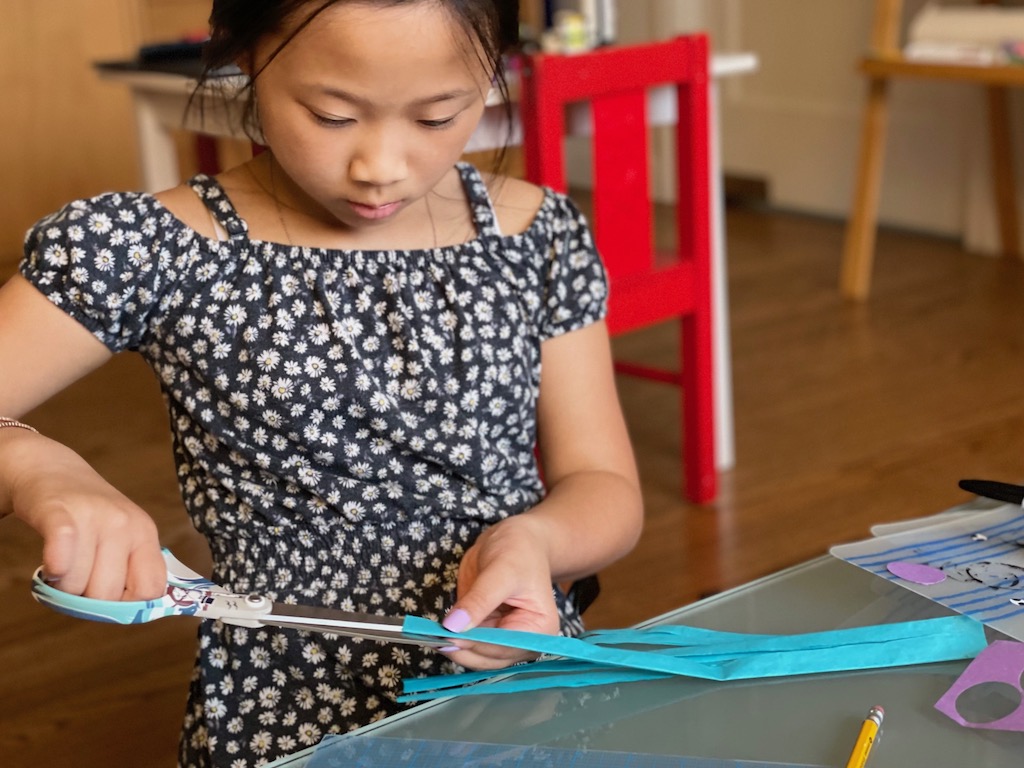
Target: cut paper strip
{"type": "Point", "coordinates": [536, 676]}
{"type": "Point", "coordinates": [994, 674]}
{"type": "Point", "coordinates": [670, 635]}
{"type": "Point", "coordinates": [919, 573]}
{"type": "Point", "coordinates": [386, 752]}
{"type": "Point", "coordinates": [689, 652]}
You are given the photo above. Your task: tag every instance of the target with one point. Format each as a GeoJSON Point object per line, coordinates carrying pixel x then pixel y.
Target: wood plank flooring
{"type": "Point", "coordinates": [846, 415]}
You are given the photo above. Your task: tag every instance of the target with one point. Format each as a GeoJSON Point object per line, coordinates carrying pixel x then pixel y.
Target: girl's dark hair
{"type": "Point", "coordinates": [236, 26]}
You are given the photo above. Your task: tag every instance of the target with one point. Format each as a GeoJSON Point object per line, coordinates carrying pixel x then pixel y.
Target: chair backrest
{"type": "Point", "coordinates": [616, 82]}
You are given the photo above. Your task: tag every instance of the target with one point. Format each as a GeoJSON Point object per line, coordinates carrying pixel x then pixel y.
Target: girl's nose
{"type": "Point", "coordinates": [378, 162]}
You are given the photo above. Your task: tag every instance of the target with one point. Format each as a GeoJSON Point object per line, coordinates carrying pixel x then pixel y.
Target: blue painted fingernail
{"type": "Point", "coordinates": [456, 621]}
{"type": "Point", "coordinates": [449, 649]}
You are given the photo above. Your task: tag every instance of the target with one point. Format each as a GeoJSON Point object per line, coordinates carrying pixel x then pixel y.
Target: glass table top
{"type": "Point", "coordinates": [809, 720]}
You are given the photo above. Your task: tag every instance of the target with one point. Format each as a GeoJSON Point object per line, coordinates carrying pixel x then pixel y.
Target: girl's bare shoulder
{"type": "Point", "coordinates": [516, 203]}
{"type": "Point", "coordinates": [185, 205]}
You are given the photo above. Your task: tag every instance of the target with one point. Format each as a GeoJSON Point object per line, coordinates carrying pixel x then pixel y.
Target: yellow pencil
{"type": "Point", "coordinates": [866, 738]}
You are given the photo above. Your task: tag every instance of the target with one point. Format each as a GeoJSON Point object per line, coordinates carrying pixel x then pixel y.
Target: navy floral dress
{"type": "Point", "coordinates": [345, 424]}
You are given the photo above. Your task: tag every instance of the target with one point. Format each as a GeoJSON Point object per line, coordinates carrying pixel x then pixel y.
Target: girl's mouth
{"type": "Point", "coordinates": [374, 212]}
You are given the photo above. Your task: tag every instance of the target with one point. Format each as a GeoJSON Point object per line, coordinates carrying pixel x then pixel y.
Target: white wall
{"type": "Point", "coordinates": [796, 121]}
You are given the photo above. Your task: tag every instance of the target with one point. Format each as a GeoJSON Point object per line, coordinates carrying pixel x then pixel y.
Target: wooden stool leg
{"type": "Point", "coordinates": [858, 251]}
{"type": "Point", "coordinates": [1002, 169]}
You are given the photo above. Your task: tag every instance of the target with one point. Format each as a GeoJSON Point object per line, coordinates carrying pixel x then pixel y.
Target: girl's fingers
{"type": "Point", "coordinates": [110, 568]}
{"type": "Point", "coordinates": [96, 542]}
{"type": "Point", "coordinates": [111, 554]}
{"type": "Point", "coordinates": [147, 574]}
{"type": "Point", "coordinates": [481, 656]}
{"type": "Point", "coordinates": [69, 554]}
{"type": "Point", "coordinates": [59, 543]}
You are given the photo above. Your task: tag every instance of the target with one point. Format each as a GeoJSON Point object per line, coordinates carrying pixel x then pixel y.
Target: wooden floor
{"type": "Point", "coordinates": [846, 415]}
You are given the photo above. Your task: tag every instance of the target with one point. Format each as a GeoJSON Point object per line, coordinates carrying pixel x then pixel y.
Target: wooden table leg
{"type": "Point", "coordinates": [858, 250]}
{"type": "Point", "coordinates": [1001, 141]}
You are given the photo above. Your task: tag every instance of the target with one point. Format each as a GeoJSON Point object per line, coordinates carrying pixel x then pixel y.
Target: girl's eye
{"type": "Point", "coordinates": [331, 122]}
{"type": "Point", "coordinates": [443, 123]}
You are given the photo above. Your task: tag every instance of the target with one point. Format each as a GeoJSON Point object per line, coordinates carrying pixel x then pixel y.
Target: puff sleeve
{"type": "Point", "coordinates": [576, 288]}
{"type": "Point", "coordinates": [97, 260]}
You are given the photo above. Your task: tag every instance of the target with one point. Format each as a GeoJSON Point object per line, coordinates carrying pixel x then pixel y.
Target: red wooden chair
{"type": "Point", "coordinates": [646, 287]}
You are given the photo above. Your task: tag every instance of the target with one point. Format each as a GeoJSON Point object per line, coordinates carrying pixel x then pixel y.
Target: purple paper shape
{"type": "Point", "coordinates": [1001, 662]}
{"type": "Point", "coordinates": [918, 573]}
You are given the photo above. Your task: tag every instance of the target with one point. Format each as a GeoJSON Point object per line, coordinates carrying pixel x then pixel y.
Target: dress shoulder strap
{"type": "Point", "coordinates": [209, 190]}
{"type": "Point", "coordinates": [484, 216]}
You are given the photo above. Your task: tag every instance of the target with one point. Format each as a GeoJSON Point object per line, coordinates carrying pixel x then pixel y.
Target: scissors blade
{"type": "Point", "coordinates": [347, 623]}
{"type": "Point", "coordinates": [189, 594]}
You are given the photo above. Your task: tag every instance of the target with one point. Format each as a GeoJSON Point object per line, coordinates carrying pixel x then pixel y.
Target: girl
{"type": "Point", "coordinates": [360, 342]}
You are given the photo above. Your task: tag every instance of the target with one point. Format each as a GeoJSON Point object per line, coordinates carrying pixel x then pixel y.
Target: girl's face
{"type": "Point", "coordinates": [368, 108]}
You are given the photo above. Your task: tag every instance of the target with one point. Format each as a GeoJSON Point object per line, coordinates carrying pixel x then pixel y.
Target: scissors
{"type": "Point", "coordinates": [190, 594]}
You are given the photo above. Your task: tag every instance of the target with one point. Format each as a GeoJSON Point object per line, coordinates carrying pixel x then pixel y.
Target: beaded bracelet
{"type": "Point", "coordinates": [5, 422]}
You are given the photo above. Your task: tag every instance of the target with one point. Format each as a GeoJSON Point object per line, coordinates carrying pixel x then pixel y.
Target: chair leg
{"type": "Point", "coordinates": [858, 251]}
{"type": "Point", "coordinates": [207, 156]}
{"type": "Point", "coordinates": [698, 408]}
{"type": "Point", "coordinates": [1002, 170]}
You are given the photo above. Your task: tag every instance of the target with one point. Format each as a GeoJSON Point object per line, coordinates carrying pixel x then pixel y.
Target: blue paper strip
{"type": "Point", "coordinates": [518, 680]}
{"type": "Point", "coordinates": [691, 652]}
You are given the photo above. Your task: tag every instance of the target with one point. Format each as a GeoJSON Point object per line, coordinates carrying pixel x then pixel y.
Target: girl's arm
{"type": "Point", "coordinates": [591, 516]}
{"type": "Point", "coordinates": [96, 542]}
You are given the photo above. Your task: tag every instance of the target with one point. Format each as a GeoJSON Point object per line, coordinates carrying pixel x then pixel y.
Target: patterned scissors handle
{"type": "Point", "coordinates": [187, 594]}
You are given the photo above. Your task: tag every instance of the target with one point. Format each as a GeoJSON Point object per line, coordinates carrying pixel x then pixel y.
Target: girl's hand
{"type": "Point", "coordinates": [96, 542]}
{"type": "Point", "coordinates": [504, 581]}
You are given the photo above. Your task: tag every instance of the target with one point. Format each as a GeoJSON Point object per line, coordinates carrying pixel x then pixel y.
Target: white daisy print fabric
{"type": "Point", "coordinates": [344, 425]}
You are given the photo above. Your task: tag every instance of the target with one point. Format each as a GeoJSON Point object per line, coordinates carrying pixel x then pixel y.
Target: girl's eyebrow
{"type": "Point", "coordinates": [457, 93]}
